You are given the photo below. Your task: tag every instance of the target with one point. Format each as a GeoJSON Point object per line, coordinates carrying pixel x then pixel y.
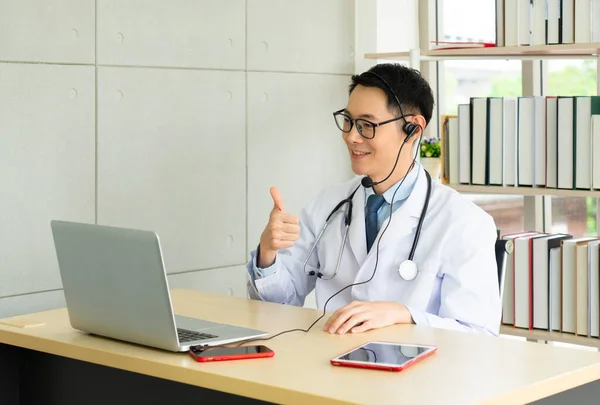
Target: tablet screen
{"type": "Point", "coordinates": [393, 354]}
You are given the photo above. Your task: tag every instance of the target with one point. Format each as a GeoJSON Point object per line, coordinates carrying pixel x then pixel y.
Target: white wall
{"type": "Point", "coordinates": [397, 25]}
{"type": "Point", "coordinates": [175, 116]}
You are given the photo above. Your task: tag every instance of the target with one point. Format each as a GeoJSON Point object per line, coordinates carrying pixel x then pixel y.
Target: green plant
{"type": "Point", "coordinates": [590, 203]}
{"type": "Point", "coordinates": [430, 148]}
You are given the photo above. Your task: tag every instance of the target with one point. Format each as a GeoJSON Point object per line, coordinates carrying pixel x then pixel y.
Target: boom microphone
{"type": "Point", "coordinates": [368, 181]}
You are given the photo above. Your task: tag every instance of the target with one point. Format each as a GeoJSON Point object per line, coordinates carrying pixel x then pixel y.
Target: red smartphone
{"type": "Point", "coordinates": [384, 356]}
{"type": "Point", "coordinates": [205, 354]}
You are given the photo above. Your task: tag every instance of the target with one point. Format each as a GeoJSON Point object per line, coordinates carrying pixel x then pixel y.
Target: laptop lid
{"type": "Point", "coordinates": [115, 283]}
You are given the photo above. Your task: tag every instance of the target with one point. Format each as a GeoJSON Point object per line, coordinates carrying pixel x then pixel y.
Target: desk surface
{"type": "Point", "coordinates": [467, 368]}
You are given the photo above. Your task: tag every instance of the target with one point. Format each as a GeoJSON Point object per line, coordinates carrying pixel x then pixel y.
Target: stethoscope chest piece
{"type": "Point", "coordinates": [408, 270]}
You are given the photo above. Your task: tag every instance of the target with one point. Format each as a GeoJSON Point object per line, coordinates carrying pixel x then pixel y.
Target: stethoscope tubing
{"type": "Point", "coordinates": [347, 223]}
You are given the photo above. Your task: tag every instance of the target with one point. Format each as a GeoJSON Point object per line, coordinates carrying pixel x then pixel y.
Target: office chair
{"type": "Point", "coordinates": [503, 249]}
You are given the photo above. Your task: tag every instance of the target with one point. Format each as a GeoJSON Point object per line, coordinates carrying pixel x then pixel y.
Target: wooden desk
{"type": "Point", "coordinates": [467, 368]}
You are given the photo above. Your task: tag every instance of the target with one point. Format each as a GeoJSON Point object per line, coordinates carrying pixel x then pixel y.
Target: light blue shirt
{"type": "Point", "coordinates": [404, 189]}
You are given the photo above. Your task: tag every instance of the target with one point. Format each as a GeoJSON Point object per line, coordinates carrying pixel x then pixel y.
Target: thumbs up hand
{"type": "Point", "coordinates": [281, 232]}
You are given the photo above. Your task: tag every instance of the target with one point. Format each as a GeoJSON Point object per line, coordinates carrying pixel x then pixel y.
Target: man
{"type": "Point", "coordinates": [454, 284]}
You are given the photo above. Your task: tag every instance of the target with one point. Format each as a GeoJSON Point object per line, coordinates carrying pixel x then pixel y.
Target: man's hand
{"type": "Point", "coordinates": [281, 232]}
{"type": "Point", "coordinates": [360, 316]}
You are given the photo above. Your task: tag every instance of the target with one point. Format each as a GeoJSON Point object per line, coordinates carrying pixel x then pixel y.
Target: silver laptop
{"type": "Point", "coordinates": [115, 286]}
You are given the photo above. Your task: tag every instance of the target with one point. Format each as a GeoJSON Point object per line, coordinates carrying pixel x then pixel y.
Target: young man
{"type": "Point", "coordinates": [454, 283]}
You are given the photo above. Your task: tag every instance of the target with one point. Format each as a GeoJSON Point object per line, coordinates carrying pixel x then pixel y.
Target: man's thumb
{"type": "Point", "coordinates": [277, 199]}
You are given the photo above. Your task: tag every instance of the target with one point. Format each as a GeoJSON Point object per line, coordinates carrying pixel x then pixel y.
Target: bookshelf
{"type": "Point", "coordinates": [569, 51]}
{"type": "Point", "coordinates": [524, 191]}
{"type": "Point", "coordinates": [423, 58]}
{"type": "Point", "coordinates": [550, 336]}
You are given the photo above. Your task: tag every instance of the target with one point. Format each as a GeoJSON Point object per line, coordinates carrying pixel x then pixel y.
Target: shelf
{"type": "Point", "coordinates": [512, 52]}
{"type": "Point", "coordinates": [550, 336]}
{"type": "Point", "coordinates": [525, 191]}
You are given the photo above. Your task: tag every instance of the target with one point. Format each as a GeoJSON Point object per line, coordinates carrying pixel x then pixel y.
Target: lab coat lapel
{"type": "Point", "coordinates": [357, 233]}
{"type": "Point", "coordinates": [406, 218]}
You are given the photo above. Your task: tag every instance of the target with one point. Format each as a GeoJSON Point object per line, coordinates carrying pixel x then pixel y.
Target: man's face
{"type": "Point", "coordinates": [375, 157]}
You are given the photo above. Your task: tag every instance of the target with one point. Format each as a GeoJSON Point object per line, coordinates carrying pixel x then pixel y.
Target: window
{"type": "Point", "coordinates": [474, 20]}
{"type": "Point", "coordinates": [474, 78]}
{"type": "Point", "coordinates": [507, 210]}
{"type": "Point", "coordinates": [572, 77]}
{"type": "Point", "coordinates": [574, 215]}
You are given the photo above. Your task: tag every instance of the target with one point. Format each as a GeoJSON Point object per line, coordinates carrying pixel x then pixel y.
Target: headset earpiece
{"type": "Point", "coordinates": [410, 129]}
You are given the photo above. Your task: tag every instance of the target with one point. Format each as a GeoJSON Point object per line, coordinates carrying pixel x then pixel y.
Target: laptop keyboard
{"type": "Point", "coordinates": [190, 335]}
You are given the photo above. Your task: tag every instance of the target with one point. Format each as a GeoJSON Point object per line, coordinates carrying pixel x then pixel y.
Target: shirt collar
{"type": "Point", "coordinates": [404, 188]}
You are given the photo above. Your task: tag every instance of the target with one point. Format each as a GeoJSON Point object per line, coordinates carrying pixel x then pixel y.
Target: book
{"type": "Point", "coordinates": [460, 45]}
{"type": "Point", "coordinates": [542, 281]}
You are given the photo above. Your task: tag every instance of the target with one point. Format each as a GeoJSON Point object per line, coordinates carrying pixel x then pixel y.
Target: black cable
{"type": "Point", "coordinates": [350, 285]}
{"type": "Point", "coordinates": [378, 241]}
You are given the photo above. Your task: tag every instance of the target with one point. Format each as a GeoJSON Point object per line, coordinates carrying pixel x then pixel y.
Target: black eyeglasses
{"type": "Point", "coordinates": [365, 128]}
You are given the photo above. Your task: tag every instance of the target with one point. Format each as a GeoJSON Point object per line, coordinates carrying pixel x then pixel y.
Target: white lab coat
{"type": "Point", "coordinates": [457, 284]}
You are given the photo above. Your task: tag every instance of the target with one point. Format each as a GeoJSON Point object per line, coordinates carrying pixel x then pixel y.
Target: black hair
{"type": "Point", "coordinates": [412, 90]}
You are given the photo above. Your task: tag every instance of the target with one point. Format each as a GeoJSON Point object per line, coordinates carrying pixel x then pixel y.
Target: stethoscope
{"type": "Point", "coordinates": [408, 269]}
